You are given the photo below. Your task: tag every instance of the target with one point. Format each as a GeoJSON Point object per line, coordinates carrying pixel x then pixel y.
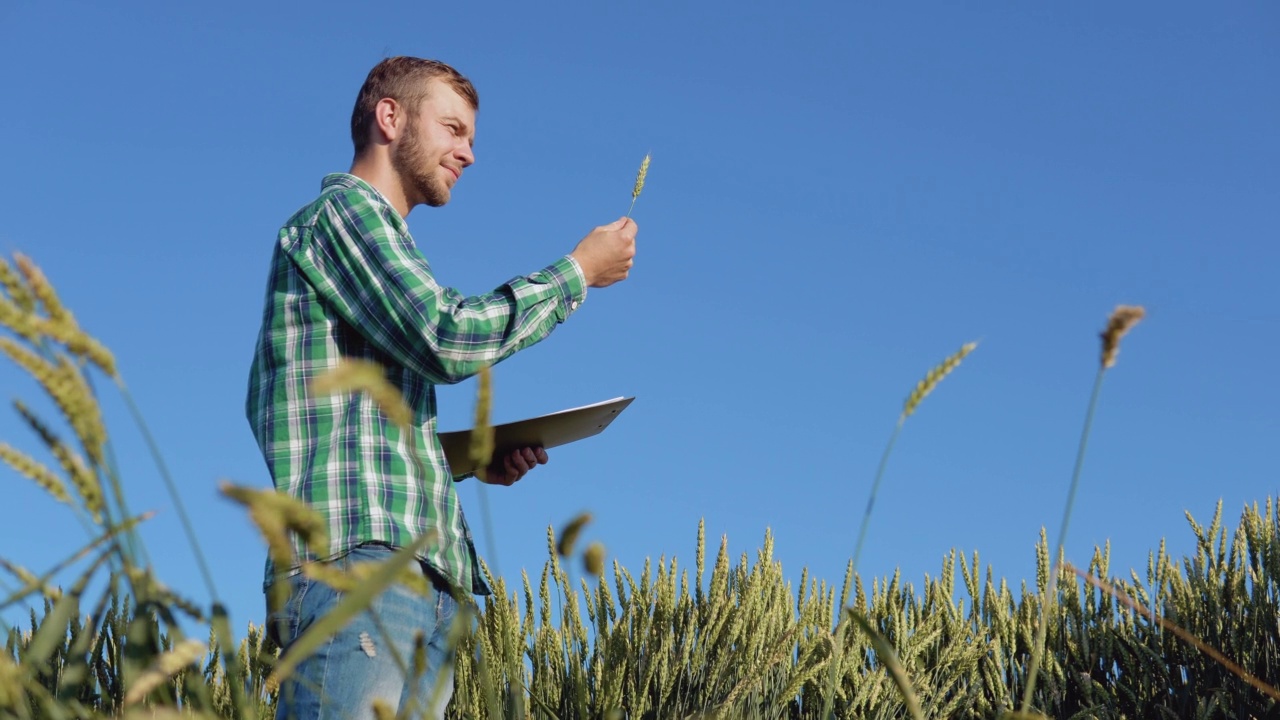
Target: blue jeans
{"type": "Point", "coordinates": [359, 664]}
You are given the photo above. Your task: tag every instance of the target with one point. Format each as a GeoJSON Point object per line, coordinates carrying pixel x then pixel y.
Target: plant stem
{"type": "Point", "coordinates": [838, 639]}
{"type": "Point", "coordinates": [172, 489]}
{"type": "Point", "coordinates": [1050, 597]}
{"type": "Point", "coordinates": [875, 490]}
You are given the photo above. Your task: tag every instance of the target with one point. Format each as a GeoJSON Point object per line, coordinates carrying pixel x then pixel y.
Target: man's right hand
{"type": "Point", "coordinates": [606, 254]}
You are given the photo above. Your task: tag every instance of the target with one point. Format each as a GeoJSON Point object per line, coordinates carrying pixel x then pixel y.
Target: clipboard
{"type": "Point", "coordinates": [547, 431]}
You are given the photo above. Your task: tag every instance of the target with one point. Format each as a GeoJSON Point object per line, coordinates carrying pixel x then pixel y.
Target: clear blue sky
{"type": "Point", "coordinates": [841, 195]}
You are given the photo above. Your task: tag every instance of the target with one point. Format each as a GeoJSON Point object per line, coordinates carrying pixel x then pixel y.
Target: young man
{"type": "Point", "coordinates": [348, 281]}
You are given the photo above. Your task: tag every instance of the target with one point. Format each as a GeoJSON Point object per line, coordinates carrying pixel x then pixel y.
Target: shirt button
{"type": "Point", "coordinates": [573, 305]}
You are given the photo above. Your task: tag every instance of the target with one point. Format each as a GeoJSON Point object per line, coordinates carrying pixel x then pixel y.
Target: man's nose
{"type": "Point", "coordinates": [465, 154]}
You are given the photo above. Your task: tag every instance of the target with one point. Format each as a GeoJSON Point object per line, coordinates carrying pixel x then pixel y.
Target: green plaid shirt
{"type": "Point", "coordinates": [348, 281]}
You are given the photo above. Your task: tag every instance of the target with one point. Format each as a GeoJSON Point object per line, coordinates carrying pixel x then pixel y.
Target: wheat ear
{"type": "Point", "coordinates": [635, 192]}
{"type": "Point", "coordinates": [593, 558]}
{"type": "Point", "coordinates": [569, 536]}
{"type": "Point", "coordinates": [1122, 320]}
{"type": "Point", "coordinates": [933, 377]}
{"type": "Point", "coordinates": [164, 667]}
{"type": "Point", "coordinates": [28, 466]}
{"type": "Point", "coordinates": [358, 375]}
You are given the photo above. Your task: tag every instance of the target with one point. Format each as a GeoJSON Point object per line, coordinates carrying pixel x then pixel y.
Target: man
{"type": "Point", "coordinates": [348, 281]}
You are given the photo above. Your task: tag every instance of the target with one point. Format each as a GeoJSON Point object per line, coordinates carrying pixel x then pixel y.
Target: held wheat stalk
{"type": "Point", "coordinates": [635, 192]}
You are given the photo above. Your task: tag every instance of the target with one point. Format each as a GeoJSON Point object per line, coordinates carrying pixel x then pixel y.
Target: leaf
{"type": "Point", "coordinates": [886, 655]}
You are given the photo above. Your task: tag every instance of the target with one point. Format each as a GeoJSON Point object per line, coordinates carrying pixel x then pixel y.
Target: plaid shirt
{"type": "Point", "coordinates": [347, 281]}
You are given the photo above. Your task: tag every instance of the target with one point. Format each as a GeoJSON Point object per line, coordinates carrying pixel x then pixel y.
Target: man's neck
{"type": "Point", "coordinates": [385, 179]}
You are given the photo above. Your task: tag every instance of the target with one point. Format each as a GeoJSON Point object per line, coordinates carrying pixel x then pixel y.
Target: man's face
{"type": "Point", "coordinates": [436, 146]}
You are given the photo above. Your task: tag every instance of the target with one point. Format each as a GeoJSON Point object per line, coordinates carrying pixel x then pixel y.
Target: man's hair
{"type": "Point", "coordinates": [403, 79]}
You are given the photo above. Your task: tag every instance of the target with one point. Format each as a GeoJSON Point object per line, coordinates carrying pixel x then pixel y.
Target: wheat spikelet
{"type": "Point", "coordinates": [29, 467]}
{"type": "Point", "coordinates": [42, 370]}
{"type": "Point", "coordinates": [43, 290]}
{"type": "Point", "coordinates": [164, 667]}
{"type": "Point", "coordinates": [933, 377]}
{"type": "Point", "coordinates": [12, 693]}
{"type": "Point", "coordinates": [82, 411]}
{"type": "Point", "coordinates": [644, 170]}
{"type": "Point", "coordinates": [152, 590]}
{"type": "Point", "coordinates": [18, 320]}
{"type": "Point", "coordinates": [16, 287]}
{"type": "Point", "coordinates": [359, 375]}
{"type": "Point", "coordinates": [84, 479]}
{"type": "Point", "coordinates": [635, 192]}
{"type": "Point", "coordinates": [78, 342]}
{"type": "Point", "coordinates": [268, 519]}
{"type": "Point", "coordinates": [19, 315]}
{"type": "Point", "coordinates": [1122, 320]}
{"type": "Point", "coordinates": [64, 383]}
{"type": "Point", "coordinates": [569, 536]}
{"type": "Point", "coordinates": [382, 711]}
{"type": "Point", "coordinates": [275, 514]}
{"type": "Point", "coordinates": [593, 558]}
{"type": "Point", "coordinates": [29, 579]}
{"type": "Point", "coordinates": [24, 575]}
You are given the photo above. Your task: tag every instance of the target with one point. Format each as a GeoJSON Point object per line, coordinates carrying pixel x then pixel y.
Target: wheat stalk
{"type": "Point", "coordinates": [1122, 320]}
{"type": "Point", "coordinates": [922, 390]}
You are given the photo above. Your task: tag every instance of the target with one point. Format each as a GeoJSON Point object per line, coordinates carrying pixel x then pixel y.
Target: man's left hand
{"type": "Point", "coordinates": [514, 465]}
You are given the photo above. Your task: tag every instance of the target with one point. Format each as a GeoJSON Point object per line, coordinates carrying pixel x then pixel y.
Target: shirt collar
{"type": "Point", "coordinates": [352, 182]}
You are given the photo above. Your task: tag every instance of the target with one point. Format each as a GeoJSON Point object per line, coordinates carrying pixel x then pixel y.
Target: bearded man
{"type": "Point", "coordinates": [347, 281]}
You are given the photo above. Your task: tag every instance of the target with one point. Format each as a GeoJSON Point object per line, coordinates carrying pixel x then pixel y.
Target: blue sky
{"type": "Point", "coordinates": [840, 196]}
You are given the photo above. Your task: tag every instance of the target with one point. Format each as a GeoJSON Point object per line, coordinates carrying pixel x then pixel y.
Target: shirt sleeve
{"type": "Point", "coordinates": [375, 278]}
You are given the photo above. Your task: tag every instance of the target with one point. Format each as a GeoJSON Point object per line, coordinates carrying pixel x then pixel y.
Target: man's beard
{"type": "Point", "coordinates": [411, 164]}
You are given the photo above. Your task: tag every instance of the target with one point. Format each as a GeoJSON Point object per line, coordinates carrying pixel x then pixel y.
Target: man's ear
{"type": "Point", "coordinates": [389, 120]}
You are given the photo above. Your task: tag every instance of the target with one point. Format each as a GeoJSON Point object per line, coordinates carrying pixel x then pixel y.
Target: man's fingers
{"type": "Point", "coordinates": [515, 465]}
{"type": "Point", "coordinates": [518, 462]}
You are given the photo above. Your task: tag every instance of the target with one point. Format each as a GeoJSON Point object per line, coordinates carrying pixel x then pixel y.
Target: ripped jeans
{"type": "Point", "coordinates": [363, 662]}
